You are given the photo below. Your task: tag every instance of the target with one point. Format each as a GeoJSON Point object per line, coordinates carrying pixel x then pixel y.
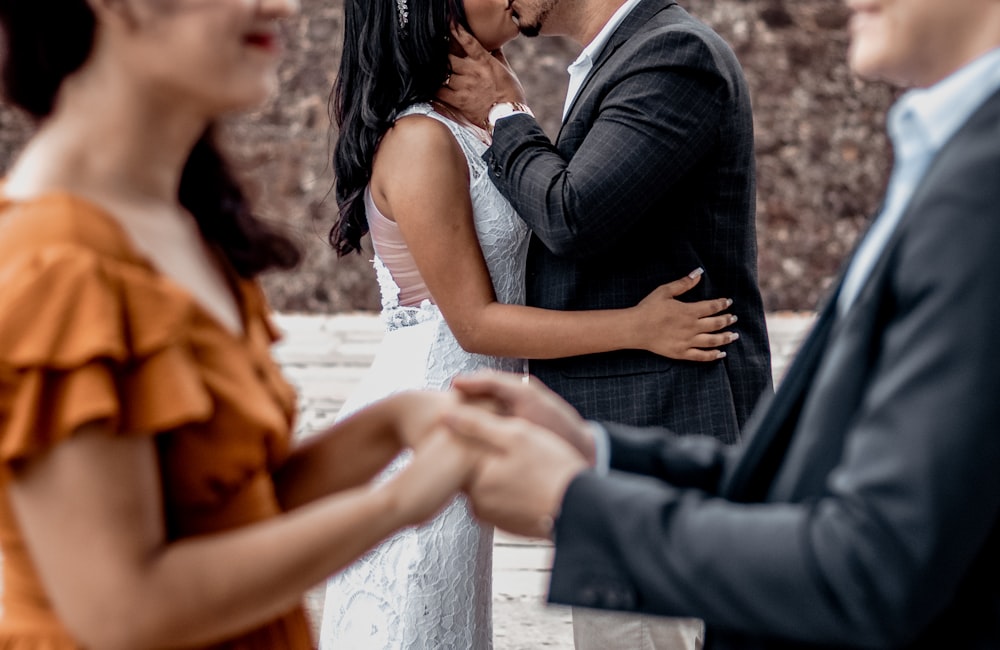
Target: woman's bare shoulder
{"type": "Point", "coordinates": [416, 136]}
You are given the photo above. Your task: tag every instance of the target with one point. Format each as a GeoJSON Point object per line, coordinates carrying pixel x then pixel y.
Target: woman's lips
{"type": "Point", "coordinates": [267, 41]}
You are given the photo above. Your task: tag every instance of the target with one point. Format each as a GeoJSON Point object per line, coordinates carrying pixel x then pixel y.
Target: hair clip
{"type": "Point", "coordinates": [403, 9]}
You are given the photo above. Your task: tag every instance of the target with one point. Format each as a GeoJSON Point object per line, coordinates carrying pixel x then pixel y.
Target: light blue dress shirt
{"type": "Point", "coordinates": [920, 124]}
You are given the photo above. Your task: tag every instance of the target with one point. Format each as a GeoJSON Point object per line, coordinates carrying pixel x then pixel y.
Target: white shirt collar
{"type": "Point", "coordinates": [943, 108]}
{"type": "Point", "coordinates": [579, 69]}
{"type": "Point", "coordinates": [920, 124]}
{"type": "Point", "coordinates": [593, 49]}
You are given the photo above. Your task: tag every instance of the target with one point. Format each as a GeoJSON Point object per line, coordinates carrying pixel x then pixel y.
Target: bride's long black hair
{"type": "Point", "coordinates": [387, 64]}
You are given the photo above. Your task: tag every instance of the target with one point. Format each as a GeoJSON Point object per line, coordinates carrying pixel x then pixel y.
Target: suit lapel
{"type": "Point", "coordinates": [771, 426]}
{"type": "Point", "coordinates": [773, 423]}
{"type": "Point", "coordinates": [769, 430]}
{"type": "Point", "coordinates": [639, 16]}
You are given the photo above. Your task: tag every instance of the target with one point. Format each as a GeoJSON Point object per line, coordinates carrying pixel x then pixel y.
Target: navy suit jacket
{"type": "Point", "coordinates": [863, 509]}
{"type": "Point", "coordinates": [652, 176]}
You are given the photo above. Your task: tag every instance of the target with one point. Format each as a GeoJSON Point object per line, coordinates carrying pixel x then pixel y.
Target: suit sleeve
{"type": "Point", "coordinates": [683, 461]}
{"type": "Point", "coordinates": [912, 502]}
{"type": "Point", "coordinates": [658, 121]}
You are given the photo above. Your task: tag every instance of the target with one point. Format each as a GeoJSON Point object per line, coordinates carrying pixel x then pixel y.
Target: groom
{"type": "Point", "coordinates": [863, 510]}
{"type": "Point", "coordinates": [652, 175]}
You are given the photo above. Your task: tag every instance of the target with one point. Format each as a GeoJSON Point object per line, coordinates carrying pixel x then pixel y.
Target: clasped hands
{"type": "Point", "coordinates": [514, 446]}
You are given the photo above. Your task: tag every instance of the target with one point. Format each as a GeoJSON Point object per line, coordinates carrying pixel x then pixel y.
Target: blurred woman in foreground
{"type": "Point", "coordinates": [149, 492]}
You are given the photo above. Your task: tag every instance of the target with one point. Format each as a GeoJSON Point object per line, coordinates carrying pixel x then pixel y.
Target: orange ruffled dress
{"type": "Point", "coordinates": [90, 330]}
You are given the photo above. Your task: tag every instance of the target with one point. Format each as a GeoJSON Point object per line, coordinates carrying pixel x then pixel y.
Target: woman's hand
{"type": "Point", "coordinates": [690, 331]}
{"type": "Point", "coordinates": [416, 414]}
{"type": "Point", "coordinates": [509, 395]}
{"type": "Point", "coordinates": [520, 483]}
{"type": "Point", "coordinates": [441, 466]}
{"type": "Point", "coordinates": [356, 448]}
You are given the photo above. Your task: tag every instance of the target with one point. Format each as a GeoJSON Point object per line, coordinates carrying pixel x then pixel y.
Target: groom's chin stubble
{"type": "Point", "coordinates": [535, 28]}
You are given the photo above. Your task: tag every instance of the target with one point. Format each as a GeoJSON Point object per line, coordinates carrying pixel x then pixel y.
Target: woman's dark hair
{"type": "Point", "coordinates": [45, 42]}
{"type": "Point", "coordinates": [385, 66]}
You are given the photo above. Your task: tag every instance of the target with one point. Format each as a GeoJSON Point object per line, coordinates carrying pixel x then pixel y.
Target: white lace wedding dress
{"type": "Point", "coordinates": [429, 588]}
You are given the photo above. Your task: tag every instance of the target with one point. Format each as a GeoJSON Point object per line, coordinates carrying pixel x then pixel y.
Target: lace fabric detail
{"type": "Point", "coordinates": [429, 588]}
{"type": "Point", "coordinates": [401, 317]}
{"type": "Point", "coordinates": [394, 315]}
{"type": "Point", "coordinates": [388, 289]}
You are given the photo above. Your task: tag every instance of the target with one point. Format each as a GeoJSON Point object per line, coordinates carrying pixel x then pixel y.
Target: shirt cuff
{"type": "Point", "coordinates": [602, 448]}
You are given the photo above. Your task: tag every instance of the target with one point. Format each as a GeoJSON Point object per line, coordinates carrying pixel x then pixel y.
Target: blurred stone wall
{"type": "Point", "coordinates": [821, 151]}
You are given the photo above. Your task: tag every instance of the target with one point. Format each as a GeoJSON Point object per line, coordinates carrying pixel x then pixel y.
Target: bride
{"type": "Point", "coordinates": [450, 258]}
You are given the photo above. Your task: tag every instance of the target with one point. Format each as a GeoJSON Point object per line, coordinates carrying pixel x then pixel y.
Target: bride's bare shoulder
{"type": "Point", "coordinates": [416, 135]}
{"type": "Point", "coordinates": [421, 144]}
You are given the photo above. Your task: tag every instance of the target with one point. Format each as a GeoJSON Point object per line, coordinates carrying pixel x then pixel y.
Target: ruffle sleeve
{"type": "Point", "coordinates": [257, 307]}
{"type": "Point", "coordinates": [84, 337]}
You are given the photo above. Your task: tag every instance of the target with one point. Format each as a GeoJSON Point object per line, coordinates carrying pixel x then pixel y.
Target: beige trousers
{"type": "Point", "coordinates": [595, 629]}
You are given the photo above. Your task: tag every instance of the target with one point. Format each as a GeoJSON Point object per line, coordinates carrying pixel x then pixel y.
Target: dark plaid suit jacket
{"type": "Point", "coordinates": [863, 510]}
{"type": "Point", "coordinates": [652, 175]}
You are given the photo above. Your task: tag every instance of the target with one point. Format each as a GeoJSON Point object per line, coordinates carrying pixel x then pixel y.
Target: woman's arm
{"type": "Point", "coordinates": [353, 450]}
{"type": "Point", "coordinates": [91, 515]}
{"type": "Point", "coordinates": [431, 204]}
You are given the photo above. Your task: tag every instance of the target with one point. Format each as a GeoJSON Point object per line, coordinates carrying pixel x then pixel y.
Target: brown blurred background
{"type": "Point", "coordinates": [822, 155]}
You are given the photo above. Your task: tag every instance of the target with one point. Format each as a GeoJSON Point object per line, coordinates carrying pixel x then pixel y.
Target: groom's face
{"type": "Point", "coordinates": [532, 15]}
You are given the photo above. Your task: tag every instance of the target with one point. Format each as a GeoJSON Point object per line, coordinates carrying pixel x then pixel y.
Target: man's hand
{"type": "Point", "coordinates": [523, 475]}
{"type": "Point", "coordinates": [479, 80]}
{"type": "Point", "coordinates": [532, 401]}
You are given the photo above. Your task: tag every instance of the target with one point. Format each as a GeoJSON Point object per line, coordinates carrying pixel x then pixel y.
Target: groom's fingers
{"type": "Point", "coordinates": [461, 79]}
{"type": "Point", "coordinates": [461, 66]}
{"type": "Point", "coordinates": [473, 48]}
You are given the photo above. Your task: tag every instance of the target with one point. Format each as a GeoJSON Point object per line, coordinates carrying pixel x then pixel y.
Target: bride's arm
{"type": "Point", "coordinates": [420, 180]}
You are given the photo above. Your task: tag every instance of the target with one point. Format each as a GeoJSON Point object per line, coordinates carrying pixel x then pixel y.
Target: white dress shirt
{"type": "Point", "coordinates": [920, 124]}
{"type": "Point", "coordinates": [579, 69]}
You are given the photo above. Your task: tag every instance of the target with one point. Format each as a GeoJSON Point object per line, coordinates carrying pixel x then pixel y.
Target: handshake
{"type": "Point", "coordinates": [512, 446]}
